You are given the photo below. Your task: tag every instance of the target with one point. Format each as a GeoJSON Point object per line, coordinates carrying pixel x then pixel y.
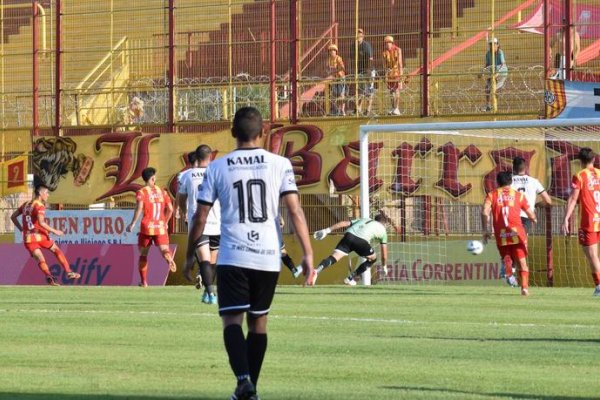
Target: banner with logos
{"type": "Point", "coordinates": [99, 265]}
{"type": "Point", "coordinates": [90, 226]}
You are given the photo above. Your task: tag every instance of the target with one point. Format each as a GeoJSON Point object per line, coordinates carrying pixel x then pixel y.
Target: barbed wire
{"type": "Point", "coordinates": [213, 99]}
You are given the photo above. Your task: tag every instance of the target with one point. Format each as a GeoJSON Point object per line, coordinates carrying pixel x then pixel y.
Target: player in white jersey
{"type": "Point", "coordinates": [530, 187]}
{"type": "Point", "coordinates": [358, 237]}
{"type": "Point", "coordinates": [208, 247]}
{"type": "Point", "coordinates": [249, 182]}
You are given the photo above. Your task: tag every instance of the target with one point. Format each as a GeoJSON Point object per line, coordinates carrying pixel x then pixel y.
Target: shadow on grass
{"type": "Point", "coordinates": [501, 340]}
{"type": "Point", "coordinates": [62, 396]}
{"type": "Point", "coordinates": [493, 395]}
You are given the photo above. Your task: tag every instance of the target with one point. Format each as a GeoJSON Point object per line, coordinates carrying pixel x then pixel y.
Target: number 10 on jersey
{"type": "Point", "coordinates": [252, 200]}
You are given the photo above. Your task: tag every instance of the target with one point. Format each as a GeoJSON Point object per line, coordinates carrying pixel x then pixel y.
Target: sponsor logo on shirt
{"type": "Point", "coordinates": [247, 160]}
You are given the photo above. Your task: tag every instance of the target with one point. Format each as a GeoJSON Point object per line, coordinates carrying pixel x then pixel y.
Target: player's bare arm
{"type": "Point", "coordinates": [292, 203]}
{"type": "Point", "coordinates": [384, 257]}
{"type": "Point", "coordinates": [181, 201]}
{"type": "Point", "coordinates": [136, 215]}
{"type": "Point", "coordinates": [546, 199]}
{"type": "Point", "coordinates": [571, 203]}
{"type": "Point", "coordinates": [321, 234]}
{"type": "Point", "coordinates": [531, 215]}
{"type": "Point", "coordinates": [485, 220]}
{"type": "Point", "coordinates": [43, 224]}
{"type": "Point", "coordinates": [15, 219]}
{"type": "Point", "coordinates": [168, 211]}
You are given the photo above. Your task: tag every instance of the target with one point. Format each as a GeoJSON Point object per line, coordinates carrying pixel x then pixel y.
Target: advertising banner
{"type": "Point", "coordinates": [90, 226]}
{"type": "Point", "coordinates": [444, 261]}
{"type": "Point", "coordinates": [99, 265]}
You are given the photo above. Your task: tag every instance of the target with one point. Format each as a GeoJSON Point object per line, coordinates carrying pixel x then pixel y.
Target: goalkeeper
{"type": "Point", "coordinates": [358, 237]}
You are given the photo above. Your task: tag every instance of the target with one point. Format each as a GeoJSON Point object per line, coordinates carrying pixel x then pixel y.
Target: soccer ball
{"type": "Point", "coordinates": [475, 247]}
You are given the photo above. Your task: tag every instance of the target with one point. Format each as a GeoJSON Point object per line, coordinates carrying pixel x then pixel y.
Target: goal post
{"type": "Point", "coordinates": [431, 180]}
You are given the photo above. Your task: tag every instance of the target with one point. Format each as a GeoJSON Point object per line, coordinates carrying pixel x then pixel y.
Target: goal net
{"type": "Point", "coordinates": [431, 181]}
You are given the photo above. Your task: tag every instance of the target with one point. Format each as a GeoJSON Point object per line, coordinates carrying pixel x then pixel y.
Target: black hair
{"type": "Point", "coordinates": [586, 155]}
{"type": "Point", "coordinates": [504, 178]}
{"type": "Point", "coordinates": [148, 173]}
{"type": "Point", "coordinates": [192, 157]}
{"type": "Point", "coordinates": [247, 124]}
{"type": "Point", "coordinates": [38, 184]}
{"type": "Point", "coordinates": [519, 165]}
{"type": "Point", "coordinates": [203, 152]}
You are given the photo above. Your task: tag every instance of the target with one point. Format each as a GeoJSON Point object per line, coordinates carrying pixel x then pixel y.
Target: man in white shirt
{"type": "Point", "coordinates": [249, 183]}
{"type": "Point", "coordinates": [208, 247]}
{"type": "Point", "coordinates": [530, 187]}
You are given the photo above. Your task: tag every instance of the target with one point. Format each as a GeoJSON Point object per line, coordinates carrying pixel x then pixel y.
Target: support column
{"type": "Point", "coordinates": [272, 71]}
{"type": "Point", "coordinates": [425, 28]}
{"type": "Point", "coordinates": [58, 71]}
{"type": "Point", "coordinates": [293, 62]}
{"type": "Point", "coordinates": [35, 39]}
{"type": "Point", "coordinates": [171, 70]}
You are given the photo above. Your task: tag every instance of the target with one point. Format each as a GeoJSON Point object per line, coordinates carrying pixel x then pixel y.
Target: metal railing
{"type": "Point", "coordinates": [272, 54]}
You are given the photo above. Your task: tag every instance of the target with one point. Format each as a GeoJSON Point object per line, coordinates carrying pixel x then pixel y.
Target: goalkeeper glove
{"type": "Point", "coordinates": [320, 235]}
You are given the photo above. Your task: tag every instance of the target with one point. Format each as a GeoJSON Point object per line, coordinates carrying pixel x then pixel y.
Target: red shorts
{"type": "Point", "coordinates": [588, 238]}
{"type": "Point", "coordinates": [42, 244]}
{"type": "Point", "coordinates": [514, 251]}
{"type": "Point", "coordinates": [146, 240]}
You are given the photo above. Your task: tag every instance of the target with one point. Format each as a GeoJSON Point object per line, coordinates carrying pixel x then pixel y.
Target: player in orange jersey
{"type": "Point", "coordinates": [586, 192]}
{"type": "Point", "coordinates": [155, 204]}
{"type": "Point", "coordinates": [35, 233]}
{"type": "Point", "coordinates": [504, 205]}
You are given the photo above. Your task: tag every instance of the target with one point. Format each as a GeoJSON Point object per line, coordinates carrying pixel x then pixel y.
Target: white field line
{"type": "Point", "coordinates": [390, 321]}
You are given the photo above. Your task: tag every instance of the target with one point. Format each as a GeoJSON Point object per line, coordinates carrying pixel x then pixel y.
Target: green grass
{"type": "Point", "coordinates": [380, 342]}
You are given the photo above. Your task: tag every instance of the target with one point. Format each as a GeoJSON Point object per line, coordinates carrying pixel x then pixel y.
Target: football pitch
{"type": "Point", "coordinates": [326, 342]}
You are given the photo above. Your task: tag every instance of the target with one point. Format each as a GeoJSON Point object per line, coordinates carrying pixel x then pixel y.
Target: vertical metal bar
{"type": "Point", "coordinates": [425, 29]}
{"type": "Point", "coordinates": [427, 215]}
{"type": "Point", "coordinates": [272, 71]}
{"type": "Point", "coordinates": [171, 71]}
{"type": "Point", "coordinates": [568, 40]}
{"type": "Point", "coordinates": [546, 40]}
{"type": "Point", "coordinates": [2, 67]}
{"type": "Point", "coordinates": [231, 107]}
{"type": "Point", "coordinates": [293, 62]}
{"type": "Point", "coordinates": [57, 70]}
{"type": "Point", "coordinates": [355, 61]}
{"type": "Point", "coordinates": [110, 100]}
{"type": "Point", "coordinates": [35, 39]}
{"type": "Point", "coordinates": [402, 206]}
{"type": "Point", "coordinates": [454, 18]}
{"type": "Point", "coordinates": [549, 264]}
{"type": "Point", "coordinates": [334, 38]}
{"type": "Point", "coordinates": [547, 50]}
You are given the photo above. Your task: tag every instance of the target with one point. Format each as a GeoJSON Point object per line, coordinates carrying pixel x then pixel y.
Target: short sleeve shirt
{"type": "Point", "coordinates": [249, 183]}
